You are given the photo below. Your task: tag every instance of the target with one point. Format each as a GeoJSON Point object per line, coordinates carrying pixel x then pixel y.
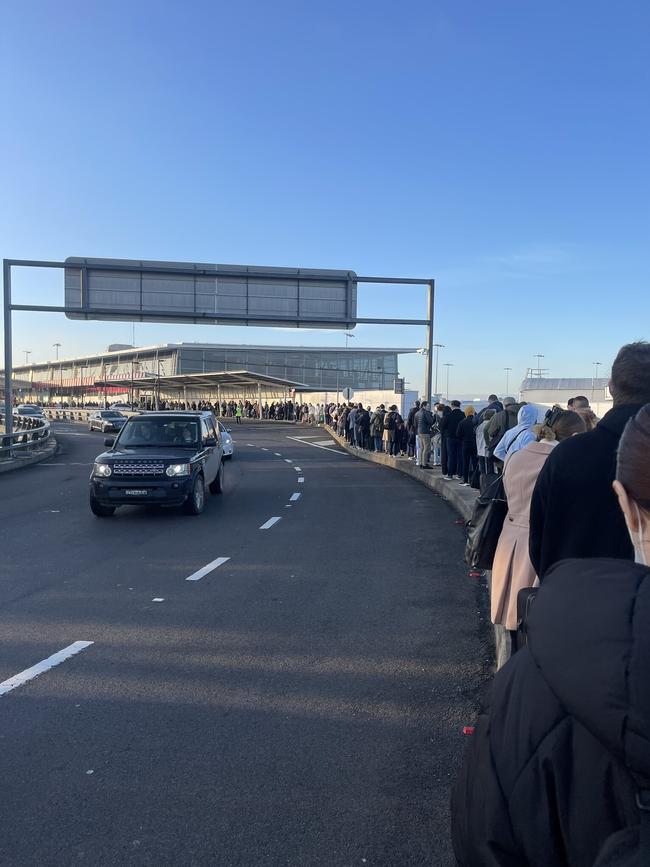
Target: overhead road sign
{"type": "Point", "coordinates": [147, 291]}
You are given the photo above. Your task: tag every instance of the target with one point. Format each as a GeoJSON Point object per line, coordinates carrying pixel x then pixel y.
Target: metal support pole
{"type": "Point", "coordinates": [259, 399]}
{"type": "Point", "coordinates": [428, 373]}
{"type": "Point", "coordinates": [9, 398]}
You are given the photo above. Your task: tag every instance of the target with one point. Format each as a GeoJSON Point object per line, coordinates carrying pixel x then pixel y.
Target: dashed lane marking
{"type": "Point", "coordinates": [268, 524]}
{"type": "Point", "coordinates": [277, 454]}
{"type": "Point", "coordinates": [264, 450]}
{"type": "Point", "coordinates": [325, 448]}
{"type": "Point", "coordinates": [295, 497]}
{"type": "Point", "coordinates": [298, 469]}
{"type": "Point", "coordinates": [288, 461]}
{"type": "Point", "coordinates": [209, 567]}
{"type": "Point", "coordinates": [301, 479]}
{"type": "Point", "coordinates": [40, 667]}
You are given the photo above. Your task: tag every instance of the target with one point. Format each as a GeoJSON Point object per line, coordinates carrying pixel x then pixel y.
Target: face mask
{"type": "Point", "coordinates": [640, 554]}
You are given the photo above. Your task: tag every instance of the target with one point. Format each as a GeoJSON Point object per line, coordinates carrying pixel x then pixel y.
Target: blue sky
{"type": "Point", "coordinates": [502, 148]}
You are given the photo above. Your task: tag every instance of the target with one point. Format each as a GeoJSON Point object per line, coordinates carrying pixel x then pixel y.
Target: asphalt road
{"type": "Point", "coordinates": [301, 704]}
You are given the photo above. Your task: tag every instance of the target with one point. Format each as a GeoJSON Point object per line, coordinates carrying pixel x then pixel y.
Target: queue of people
{"type": "Point", "coordinates": [557, 772]}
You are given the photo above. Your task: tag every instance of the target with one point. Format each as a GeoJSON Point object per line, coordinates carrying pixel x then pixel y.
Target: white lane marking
{"type": "Point", "coordinates": [298, 469]}
{"type": "Point", "coordinates": [288, 461]}
{"type": "Point", "coordinates": [301, 479]}
{"type": "Point", "coordinates": [277, 454]}
{"type": "Point", "coordinates": [325, 448]}
{"type": "Point", "coordinates": [40, 667]}
{"type": "Point", "coordinates": [157, 599]}
{"type": "Point", "coordinates": [201, 573]}
{"type": "Point", "coordinates": [295, 497]}
{"type": "Point", "coordinates": [264, 450]}
{"type": "Point", "coordinates": [321, 443]}
{"type": "Point", "coordinates": [268, 524]}
{"type": "Point", "coordinates": [251, 445]}
{"type": "Point", "coordinates": [287, 506]}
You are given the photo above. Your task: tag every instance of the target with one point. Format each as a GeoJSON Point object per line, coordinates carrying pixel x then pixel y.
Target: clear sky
{"type": "Point", "coordinates": [502, 148]}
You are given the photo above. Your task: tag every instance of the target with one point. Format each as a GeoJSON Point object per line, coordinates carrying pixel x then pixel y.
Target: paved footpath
{"type": "Point", "coordinates": [300, 702]}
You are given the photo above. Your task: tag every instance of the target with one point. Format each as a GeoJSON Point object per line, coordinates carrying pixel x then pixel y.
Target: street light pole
{"type": "Point", "coordinates": [507, 370]}
{"type": "Point", "coordinates": [596, 365]}
{"type": "Point", "coordinates": [539, 364]}
{"type": "Point", "coordinates": [448, 365]}
{"type": "Point", "coordinates": [57, 346]}
{"type": "Point", "coordinates": [27, 352]}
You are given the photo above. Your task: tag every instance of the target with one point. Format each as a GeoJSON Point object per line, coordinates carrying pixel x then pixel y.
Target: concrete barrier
{"type": "Point", "coordinates": [32, 457]}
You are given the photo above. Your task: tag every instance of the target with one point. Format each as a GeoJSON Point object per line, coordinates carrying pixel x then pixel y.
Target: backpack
{"type": "Point", "coordinates": [389, 421]}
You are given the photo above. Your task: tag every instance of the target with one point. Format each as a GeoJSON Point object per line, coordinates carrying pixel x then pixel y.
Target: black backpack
{"type": "Point", "coordinates": [389, 421]}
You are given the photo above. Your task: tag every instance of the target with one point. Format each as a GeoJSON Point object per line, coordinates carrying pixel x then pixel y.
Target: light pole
{"type": "Point", "coordinates": [507, 370]}
{"type": "Point", "coordinates": [437, 347]}
{"type": "Point", "coordinates": [448, 365]}
{"type": "Point", "coordinates": [57, 346]}
{"type": "Point", "coordinates": [596, 365]}
{"type": "Point", "coordinates": [539, 364]}
{"type": "Point", "coordinates": [347, 337]}
{"type": "Point", "coordinates": [27, 352]}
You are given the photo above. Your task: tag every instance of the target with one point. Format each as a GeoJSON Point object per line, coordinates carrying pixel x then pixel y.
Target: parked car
{"type": "Point", "coordinates": [127, 407]}
{"type": "Point", "coordinates": [106, 420]}
{"type": "Point", "coordinates": [226, 439]}
{"type": "Point", "coordinates": [160, 458]}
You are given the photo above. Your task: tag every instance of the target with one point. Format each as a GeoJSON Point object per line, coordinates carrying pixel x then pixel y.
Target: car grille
{"type": "Point", "coordinates": [139, 468]}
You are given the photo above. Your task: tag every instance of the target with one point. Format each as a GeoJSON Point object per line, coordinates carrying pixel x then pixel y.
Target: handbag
{"type": "Point", "coordinates": [485, 525]}
{"type": "Point", "coordinates": [525, 599]}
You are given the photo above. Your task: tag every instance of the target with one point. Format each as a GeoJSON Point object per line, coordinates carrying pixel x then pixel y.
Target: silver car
{"type": "Point", "coordinates": [226, 439]}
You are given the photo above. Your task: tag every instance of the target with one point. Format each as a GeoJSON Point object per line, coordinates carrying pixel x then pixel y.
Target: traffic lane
{"type": "Point", "coordinates": [118, 564]}
{"type": "Point", "coordinates": [320, 670]}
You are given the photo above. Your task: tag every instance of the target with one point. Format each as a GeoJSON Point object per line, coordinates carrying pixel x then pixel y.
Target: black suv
{"type": "Point", "coordinates": [163, 458]}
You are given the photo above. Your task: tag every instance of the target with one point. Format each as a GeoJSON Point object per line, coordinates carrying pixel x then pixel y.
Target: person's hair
{"type": "Point", "coordinates": [570, 402]}
{"type": "Point", "coordinates": [382, 406]}
{"type": "Point", "coordinates": [456, 403]}
{"type": "Point", "coordinates": [563, 424]}
{"type": "Point", "coordinates": [423, 404]}
{"type": "Point", "coordinates": [581, 402]}
{"type": "Point", "coordinates": [632, 465]}
{"type": "Point", "coordinates": [487, 415]}
{"type": "Point", "coordinates": [469, 410]}
{"type": "Point", "coordinates": [393, 408]}
{"type": "Point", "coordinates": [630, 380]}
{"type": "Point", "coordinates": [492, 398]}
{"type": "Point", "coordinates": [589, 416]}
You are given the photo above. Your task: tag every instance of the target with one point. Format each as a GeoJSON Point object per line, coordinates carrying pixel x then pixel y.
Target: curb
{"type": "Point", "coordinates": [33, 458]}
{"type": "Point", "coordinates": [462, 499]}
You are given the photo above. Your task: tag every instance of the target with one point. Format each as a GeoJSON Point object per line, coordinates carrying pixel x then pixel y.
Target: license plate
{"type": "Point", "coordinates": [136, 493]}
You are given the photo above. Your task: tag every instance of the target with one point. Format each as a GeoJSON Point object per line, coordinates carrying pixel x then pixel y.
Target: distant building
{"type": "Point", "coordinates": [547, 392]}
{"type": "Point", "coordinates": [325, 369]}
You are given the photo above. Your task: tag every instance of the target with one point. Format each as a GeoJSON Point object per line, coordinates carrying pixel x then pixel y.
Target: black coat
{"type": "Point", "coordinates": [553, 767]}
{"type": "Point", "coordinates": [450, 422]}
{"type": "Point", "coordinates": [466, 433]}
{"type": "Point", "coordinates": [574, 511]}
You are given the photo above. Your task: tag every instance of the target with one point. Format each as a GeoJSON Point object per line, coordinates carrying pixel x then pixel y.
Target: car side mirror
{"type": "Point", "coordinates": [210, 441]}
{"type": "Point", "coordinates": [109, 442]}
{"type": "Point", "coordinates": [228, 430]}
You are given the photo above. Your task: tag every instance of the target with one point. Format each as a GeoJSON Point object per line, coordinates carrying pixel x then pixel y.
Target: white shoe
{"type": "Point", "coordinates": [448, 478]}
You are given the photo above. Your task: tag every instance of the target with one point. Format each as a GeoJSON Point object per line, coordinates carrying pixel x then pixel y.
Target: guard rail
{"type": "Point", "coordinates": [30, 434]}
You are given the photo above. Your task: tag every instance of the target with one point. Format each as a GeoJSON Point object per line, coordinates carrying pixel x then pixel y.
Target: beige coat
{"type": "Point", "coordinates": [512, 568]}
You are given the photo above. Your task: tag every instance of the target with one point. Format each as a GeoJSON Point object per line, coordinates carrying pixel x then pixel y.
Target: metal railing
{"type": "Point", "coordinates": [30, 434]}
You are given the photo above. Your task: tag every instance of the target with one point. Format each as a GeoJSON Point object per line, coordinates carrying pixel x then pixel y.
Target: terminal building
{"type": "Point", "coordinates": [547, 391]}
{"type": "Point", "coordinates": [128, 371]}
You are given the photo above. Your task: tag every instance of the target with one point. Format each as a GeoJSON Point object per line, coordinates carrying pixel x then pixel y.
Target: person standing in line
{"type": "Point", "coordinates": [238, 413]}
{"type": "Point", "coordinates": [557, 772]}
{"type": "Point", "coordinates": [442, 412]}
{"type": "Point", "coordinates": [512, 569]}
{"type": "Point", "coordinates": [481, 444]}
{"type": "Point", "coordinates": [412, 432]}
{"type": "Point", "coordinates": [520, 435]}
{"type": "Point", "coordinates": [450, 426]}
{"type": "Point", "coordinates": [391, 420]}
{"type": "Point", "coordinates": [574, 512]}
{"type": "Point", "coordinates": [352, 417]}
{"type": "Point", "coordinates": [423, 421]}
{"type": "Point", "coordinates": [466, 435]}
{"type": "Point", "coordinates": [377, 427]}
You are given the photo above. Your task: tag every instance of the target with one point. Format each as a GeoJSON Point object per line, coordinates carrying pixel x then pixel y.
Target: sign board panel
{"type": "Point", "coordinates": [347, 392]}
{"type": "Point", "coordinates": [227, 294]}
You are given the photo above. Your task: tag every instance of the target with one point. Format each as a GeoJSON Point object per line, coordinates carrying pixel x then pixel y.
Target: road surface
{"type": "Point", "coordinates": [298, 703]}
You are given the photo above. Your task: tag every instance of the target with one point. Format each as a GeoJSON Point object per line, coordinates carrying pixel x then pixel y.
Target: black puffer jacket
{"type": "Point", "coordinates": [553, 767]}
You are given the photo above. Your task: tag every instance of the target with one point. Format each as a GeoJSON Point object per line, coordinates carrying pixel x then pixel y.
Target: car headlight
{"type": "Point", "coordinates": [102, 470]}
{"type": "Point", "coordinates": [179, 470]}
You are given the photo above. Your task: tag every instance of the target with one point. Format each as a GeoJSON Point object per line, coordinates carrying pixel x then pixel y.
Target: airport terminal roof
{"type": "Point", "coordinates": [225, 378]}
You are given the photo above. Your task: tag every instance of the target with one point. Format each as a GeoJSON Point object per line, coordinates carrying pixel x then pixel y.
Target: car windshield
{"type": "Point", "coordinates": [159, 432]}
{"type": "Point", "coordinates": [112, 415]}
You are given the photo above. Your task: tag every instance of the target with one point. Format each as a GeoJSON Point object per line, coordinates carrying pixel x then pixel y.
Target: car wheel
{"type": "Point", "coordinates": [196, 500]}
{"type": "Point", "coordinates": [101, 511]}
{"type": "Point", "coordinates": [216, 487]}
{"type": "Point", "coordinates": [227, 457]}
{"type": "Point", "coordinates": [90, 427]}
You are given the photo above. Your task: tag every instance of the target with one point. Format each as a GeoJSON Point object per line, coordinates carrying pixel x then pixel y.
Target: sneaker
{"type": "Point", "coordinates": [464, 484]}
{"type": "Point", "coordinates": [448, 478]}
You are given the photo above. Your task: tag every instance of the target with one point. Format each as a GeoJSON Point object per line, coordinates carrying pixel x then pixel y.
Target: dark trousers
{"type": "Point", "coordinates": [454, 457]}
{"type": "Point", "coordinates": [443, 455]}
{"type": "Point", "coordinates": [469, 462]}
{"type": "Point", "coordinates": [378, 443]}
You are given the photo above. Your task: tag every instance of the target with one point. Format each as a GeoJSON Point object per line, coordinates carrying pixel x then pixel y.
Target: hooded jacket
{"type": "Point", "coordinates": [574, 512]}
{"type": "Point", "coordinates": [520, 435]}
{"type": "Point", "coordinates": [556, 760]}
{"type": "Point", "coordinates": [500, 423]}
